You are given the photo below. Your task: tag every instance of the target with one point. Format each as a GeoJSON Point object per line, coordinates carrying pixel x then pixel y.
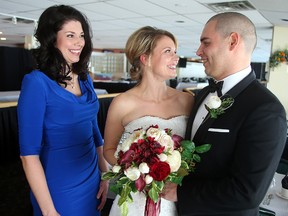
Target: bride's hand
{"type": "Point", "coordinates": [170, 192]}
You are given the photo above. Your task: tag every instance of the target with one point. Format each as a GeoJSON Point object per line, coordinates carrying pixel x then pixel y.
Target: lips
{"type": "Point", "coordinates": [172, 66]}
{"type": "Point", "coordinates": [75, 51]}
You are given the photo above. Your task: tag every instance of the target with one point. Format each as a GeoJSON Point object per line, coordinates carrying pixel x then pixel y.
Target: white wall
{"type": "Point", "coordinates": [278, 77]}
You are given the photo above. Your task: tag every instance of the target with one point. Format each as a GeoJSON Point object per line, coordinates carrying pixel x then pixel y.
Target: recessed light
{"type": "Point", "coordinates": [2, 38]}
{"type": "Point", "coordinates": [179, 21]}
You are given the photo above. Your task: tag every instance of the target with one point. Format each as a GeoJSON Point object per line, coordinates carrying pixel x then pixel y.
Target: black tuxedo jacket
{"type": "Point", "coordinates": [233, 177]}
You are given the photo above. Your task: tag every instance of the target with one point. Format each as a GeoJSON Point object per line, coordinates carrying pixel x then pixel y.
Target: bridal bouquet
{"type": "Point", "coordinates": [146, 160]}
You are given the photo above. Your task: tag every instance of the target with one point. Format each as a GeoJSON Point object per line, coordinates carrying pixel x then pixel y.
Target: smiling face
{"type": "Point", "coordinates": [214, 51]}
{"type": "Point", "coordinates": [163, 59]}
{"type": "Point", "coordinates": [70, 41]}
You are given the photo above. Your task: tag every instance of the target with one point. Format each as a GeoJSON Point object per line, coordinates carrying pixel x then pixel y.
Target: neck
{"type": "Point", "coordinates": [154, 92]}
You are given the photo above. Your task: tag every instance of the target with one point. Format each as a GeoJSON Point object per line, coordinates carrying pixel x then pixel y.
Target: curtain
{"type": "Point", "coordinates": [14, 64]}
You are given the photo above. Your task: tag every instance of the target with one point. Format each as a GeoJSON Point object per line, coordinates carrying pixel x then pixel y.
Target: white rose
{"type": "Point", "coordinates": [127, 143]}
{"type": "Point", "coordinates": [116, 169]}
{"type": "Point", "coordinates": [166, 141]}
{"type": "Point", "coordinates": [148, 179]}
{"type": "Point", "coordinates": [144, 168]}
{"type": "Point", "coordinates": [174, 161]}
{"type": "Point", "coordinates": [154, 132]}
{"type": "Point", "coordinates": [132, 173]}
{"type": "Point", "coordinates": [214, 102]}
{"type": "Point", "coordinates": [139, 134]}
{"type": "Point", "coordinates": [162, 157]}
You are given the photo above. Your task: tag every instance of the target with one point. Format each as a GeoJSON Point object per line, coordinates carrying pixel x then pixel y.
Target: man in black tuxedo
{"type": "Point", "coordinates": [247, 140]}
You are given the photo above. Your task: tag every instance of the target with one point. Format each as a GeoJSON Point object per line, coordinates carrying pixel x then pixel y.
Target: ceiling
{"type": "Point", "coordinates": [112, 21]}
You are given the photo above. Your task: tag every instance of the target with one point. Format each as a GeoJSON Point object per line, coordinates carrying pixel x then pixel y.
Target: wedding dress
{"type": "Point", "coordinates": [137, 207]}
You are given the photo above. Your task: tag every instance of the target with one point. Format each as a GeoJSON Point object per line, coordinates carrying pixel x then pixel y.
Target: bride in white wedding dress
{"type": "Point", "coordinates": [152, 54]}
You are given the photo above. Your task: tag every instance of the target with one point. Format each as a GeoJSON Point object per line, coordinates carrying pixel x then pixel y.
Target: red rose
{"type": "Point", "coordinates": [159, 171]}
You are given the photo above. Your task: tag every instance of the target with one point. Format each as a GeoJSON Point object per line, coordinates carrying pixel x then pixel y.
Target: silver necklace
{"type": "Point", "coordinates": [72, 81]}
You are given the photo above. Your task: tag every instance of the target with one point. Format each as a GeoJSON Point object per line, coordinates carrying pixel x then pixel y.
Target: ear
{"type": "Point", "coordinates": [144, 59]}
{"type": "Point", "coordinates": [234, 40]}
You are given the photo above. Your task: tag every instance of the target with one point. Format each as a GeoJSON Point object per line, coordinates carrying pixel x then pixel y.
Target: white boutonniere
{"type": "Point", "coordinates": [217, 105]}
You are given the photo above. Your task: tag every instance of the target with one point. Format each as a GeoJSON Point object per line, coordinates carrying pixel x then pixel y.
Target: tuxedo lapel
{"type": "Point", "coordinates": [201, 132]}
{"type": "Point", "coordinates": [237, 89]}
{"type": "Point", "coordinates": [199, 98]}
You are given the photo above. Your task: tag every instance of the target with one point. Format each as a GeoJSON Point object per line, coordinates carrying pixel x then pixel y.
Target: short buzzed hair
{"type": "Point", "coordinates": [229, 22]}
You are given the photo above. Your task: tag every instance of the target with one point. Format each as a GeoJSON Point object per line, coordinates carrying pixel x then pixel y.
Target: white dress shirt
{"type": "Point", "coordinates": [229, 83]}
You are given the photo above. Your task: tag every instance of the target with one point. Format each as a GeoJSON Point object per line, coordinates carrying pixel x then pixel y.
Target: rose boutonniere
{"type": "Point", "coordinates": [217, 105]}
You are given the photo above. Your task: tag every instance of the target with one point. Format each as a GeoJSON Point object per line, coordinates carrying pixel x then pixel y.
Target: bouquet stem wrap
{"type": "Point", "coordinates": [152, 208]}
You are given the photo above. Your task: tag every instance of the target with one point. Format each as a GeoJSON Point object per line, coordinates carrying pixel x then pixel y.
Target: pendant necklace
{"type": "Point", "coordinates": [72, 81]}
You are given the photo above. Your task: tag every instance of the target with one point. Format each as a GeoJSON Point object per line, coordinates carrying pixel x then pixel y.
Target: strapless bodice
{"type": "Point", "coordinates": [177, 124]}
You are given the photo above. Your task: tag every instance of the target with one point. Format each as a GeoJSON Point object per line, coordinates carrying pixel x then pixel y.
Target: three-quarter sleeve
{"type": "Point", "coordinates": [31, 111]}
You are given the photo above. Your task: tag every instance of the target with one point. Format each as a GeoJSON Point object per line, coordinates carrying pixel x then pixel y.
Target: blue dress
{"type": "Point", "coordinates": [62, 129]}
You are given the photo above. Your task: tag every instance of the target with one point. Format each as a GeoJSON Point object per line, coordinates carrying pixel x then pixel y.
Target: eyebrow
{"type": "Point", "coordinates": [73, 32]}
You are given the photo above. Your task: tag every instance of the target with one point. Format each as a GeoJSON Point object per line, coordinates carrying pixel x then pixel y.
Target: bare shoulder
{"type": "Point", "coordinates": [123, 101]}
{"type": "Point", "coordinates": [184, 98]}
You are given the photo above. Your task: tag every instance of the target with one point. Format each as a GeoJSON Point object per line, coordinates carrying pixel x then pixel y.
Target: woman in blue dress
{"type": "Point", "coordinates": [60, 142]}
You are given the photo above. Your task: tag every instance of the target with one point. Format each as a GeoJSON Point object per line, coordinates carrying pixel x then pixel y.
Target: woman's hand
{"type": "Point", "coordinates": [102, 193]}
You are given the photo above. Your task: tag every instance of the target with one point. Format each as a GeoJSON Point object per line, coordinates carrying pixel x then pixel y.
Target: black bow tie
{"type": "Point", "coordinates": [215, 86]}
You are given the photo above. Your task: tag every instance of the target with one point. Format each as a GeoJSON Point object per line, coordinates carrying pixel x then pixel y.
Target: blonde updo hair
{"type": "Point", "coordinates": [143, 41]}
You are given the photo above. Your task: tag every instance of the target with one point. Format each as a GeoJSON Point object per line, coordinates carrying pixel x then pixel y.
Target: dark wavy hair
{"type": "Point", "coordinates": [48, 58]}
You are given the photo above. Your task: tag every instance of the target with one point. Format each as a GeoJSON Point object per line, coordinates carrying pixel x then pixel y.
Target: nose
{"type": "Point", "coordinates": [199, 51]}
{"type": "Point", "coordinates": [80, 41]}
{"type": "Point", "coordinates": [177, 58]}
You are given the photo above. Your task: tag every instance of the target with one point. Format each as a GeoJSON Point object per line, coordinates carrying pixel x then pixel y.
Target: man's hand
{"type": "Point", "coordinates": [170, 192]}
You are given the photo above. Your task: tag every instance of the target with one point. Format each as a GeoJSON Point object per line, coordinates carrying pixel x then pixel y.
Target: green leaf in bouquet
{"type": "Point", "coordinates": [123, 180]}
{"type": "Point", "coordinates": [124, 209]}
{"type": "Point", "coordinates": [184, 164]}
{"type": "Point", "coordinates": [196, 158]}
{"type": "Point", "coordinates": [154, 194]}
{"type": "Point", "coordinates": [133, 187]}
{"type": "Point", "coordinates": [186, 155]}
{"type": "Point", "coordinates": [183, 171]}
{"type": "Point", "coordinates": [176, 179]}
{"type": "Point", "coordinates": [109, 175]}
{"type": "Point", "coordinates": [116, 188]}
{"type": "Point", "coordinates": [203, 148]}
{"type": "Point", "coordinates": [187, 145]}
{"type": "Point", "coordinates": [124, 194]}
{"type": "Point", "coordinates": [158, 185]}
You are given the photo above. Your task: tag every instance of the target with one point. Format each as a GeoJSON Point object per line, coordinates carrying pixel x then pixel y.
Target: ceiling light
{"type": "Point", "coordinates": [229, 6]}
{"type": "Point", "coordinates": [2, 38]}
